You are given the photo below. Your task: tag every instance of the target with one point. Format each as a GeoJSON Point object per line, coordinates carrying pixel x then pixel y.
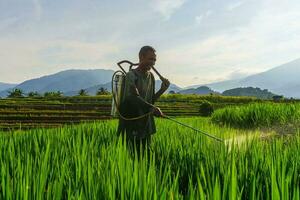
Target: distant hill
{"type": "Point", "coordinates": [283, 79]}
{"type": "Point", "coordinates": [65, 81]}
{"type": "Point", "coordinates": [172, 87]}
{"type": "Point", "coordinates": [279, 79]}
{"type": "Point", "coordinates": [200, 90]}
{"type": "Point", "coordinates": [249, 91]}
{"type": "Point", "coordinates": [71, 81]}
{"type": "Point", "coordinates": [219, 86]}
{"type": "Point", "coordinates": [5, 86]}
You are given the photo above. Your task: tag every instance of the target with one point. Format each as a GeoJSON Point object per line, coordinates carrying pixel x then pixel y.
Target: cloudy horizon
{"type": "Point", "coordinates": [197, 41]}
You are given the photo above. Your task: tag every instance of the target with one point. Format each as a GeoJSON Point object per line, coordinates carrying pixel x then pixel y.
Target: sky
{"type": "Point", "coordinates": [196, 41]}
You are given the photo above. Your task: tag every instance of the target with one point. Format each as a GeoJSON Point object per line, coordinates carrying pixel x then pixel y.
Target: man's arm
{"type": "Point", "coordinates": [158, 94]}
{"type": "Point", "coordinates": [164, 86]}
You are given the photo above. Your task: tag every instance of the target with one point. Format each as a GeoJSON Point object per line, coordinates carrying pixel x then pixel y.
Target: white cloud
{"type": "Point", "coordinates": [17, 59]}
{"type": "Point", "coordinates": [77, 53]}
{"type": "Point", "coordinates": [210, 60]}
{"type": "Point", "coordinates": [167, 7]}
{"type": "Point", "coordinates": [225, 45]}
{"type": "Point", "coordinates": [234, 5]}
{"type": "Point", "coordinates": [270, 39]}
{"type": "Point", "coordinates": [5, 23]}
{"type": "Point", "coordinates": [22, 59]}
{"type": "Point", "coordinates": [37, 9]}
{"type": "Point", "coordinates": [199, 18]}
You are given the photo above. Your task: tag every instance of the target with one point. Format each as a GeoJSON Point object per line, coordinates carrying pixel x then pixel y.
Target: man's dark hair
{"type": "Point", "coordinates": [145, 49]}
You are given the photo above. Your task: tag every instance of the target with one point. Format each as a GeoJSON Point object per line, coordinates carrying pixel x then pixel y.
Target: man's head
{"type": "Point", "coordinates": [147, 57]}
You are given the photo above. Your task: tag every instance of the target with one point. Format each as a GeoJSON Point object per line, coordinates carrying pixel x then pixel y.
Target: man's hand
{"type": "Point", "coordinates": [165, 84]}
{"type": "Point", "coordinates": [157, 112]}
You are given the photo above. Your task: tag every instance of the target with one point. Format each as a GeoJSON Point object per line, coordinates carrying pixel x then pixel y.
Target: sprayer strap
{"type": "Point", "coordinates": [117, 105]}
{"type": "Point", "coordinates": [133, 118]}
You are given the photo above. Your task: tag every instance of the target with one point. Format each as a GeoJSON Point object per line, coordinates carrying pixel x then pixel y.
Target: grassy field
{"type": "Point", "coordinates": [88, 161]}
{"type": "Point", "coordinates": [259, 115]}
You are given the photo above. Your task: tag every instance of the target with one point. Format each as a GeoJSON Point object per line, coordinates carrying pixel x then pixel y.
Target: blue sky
{"type": "Point", "coordinates": [197, 41]}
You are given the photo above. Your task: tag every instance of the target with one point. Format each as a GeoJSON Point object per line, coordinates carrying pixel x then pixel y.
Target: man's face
{"type": "Point", "coordinates": [148, 60]}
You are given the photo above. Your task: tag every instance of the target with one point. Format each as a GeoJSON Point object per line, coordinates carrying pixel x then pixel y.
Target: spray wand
{"type": "Point", "coordinates": [165, 116]}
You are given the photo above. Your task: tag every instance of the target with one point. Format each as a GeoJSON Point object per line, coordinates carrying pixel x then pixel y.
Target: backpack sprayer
{"type": "Point", "coordinates": [117, 87]}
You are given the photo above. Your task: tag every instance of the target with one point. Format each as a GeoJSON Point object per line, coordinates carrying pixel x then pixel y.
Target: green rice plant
{"type": "Point", "coordinates": [89, 161]}
{"type": "Point", "coordinates": [258, 115]}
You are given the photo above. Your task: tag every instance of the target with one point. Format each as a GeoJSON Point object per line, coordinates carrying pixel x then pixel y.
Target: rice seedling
{"type": "Point", "coordinates": [89, 161]}
{"type": "Point", "coordinates": [258, 115]}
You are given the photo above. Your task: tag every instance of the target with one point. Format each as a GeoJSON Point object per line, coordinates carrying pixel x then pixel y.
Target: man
{"type": "Point", "coordinates": [138, 101]}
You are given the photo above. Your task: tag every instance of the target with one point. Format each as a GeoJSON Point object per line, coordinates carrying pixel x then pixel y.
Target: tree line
{"type": "Point", "coordinates": [19, 93]}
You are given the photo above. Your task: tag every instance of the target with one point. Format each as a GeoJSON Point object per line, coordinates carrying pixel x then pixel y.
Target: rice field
{"type": "Point", "coordinates": [258, 115]}
{"type": "Point", "coordinates": [26, 113]}
{"type": "Point", "coordinates": [89, 161]}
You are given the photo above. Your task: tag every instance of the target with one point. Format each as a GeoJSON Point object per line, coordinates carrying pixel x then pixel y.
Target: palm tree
{"type": "Point", "coordinates": [53, 94]}
{"type": "Point", "coordinates": [82, 92]}
{"type": "Point", "coordinates": [102, 91]}
{"type": "Point", "coordinates": [15, 93]}
{"type": "Point", "coordinates": [33, 94]}
{"type": "Point", "coordinates": [59, 93]}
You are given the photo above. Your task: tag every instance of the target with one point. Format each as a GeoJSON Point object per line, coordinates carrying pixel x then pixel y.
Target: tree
{"type": "Point", "coordinates": [249, 91]}
{"type": "Point", "coordinates": [102, 91]}
{"type": "Point", "coordinates": [278, 97]}
{"type": "Point", "coordinates": [82, 92]}
{"type": "Point", "coordinates": [53, 94]}
{"type": "Point", "coordinates": [15, 93]}
{"type": "Point", "coordinates": [172, 92]}
{"type": "Point", "coordinates": [33, 94]}
{"type": "Point", "coordinates": [206, 109]}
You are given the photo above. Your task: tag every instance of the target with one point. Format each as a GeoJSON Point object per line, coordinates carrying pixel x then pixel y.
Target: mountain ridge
{"type": "Point", "coordinates": [283, 79]}
{"type": "Point", "coordinates": [64, 81]}
{"type": "Point", "coordinates": [5, 86]}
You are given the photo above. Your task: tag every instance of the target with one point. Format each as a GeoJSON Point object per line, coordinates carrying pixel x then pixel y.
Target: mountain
{"type": "Point", "coordinates": [279, 79]}
{"type": "Point", "coordinates": [5, 86]}
{"type": "Point", "coordinates": [199, 90]}
{"type": "Point", "coordinates": [294, 90]}
{"type": "Point", "coordinates": [249, 91]}
{"type": "Point", "coordinates": [64, 81]}
{"type": "Point", "coordinates": [172, 87]}
{"type": "Point", "coordinates": [224, 85]}
{"type": "Point", "coordinates": [219, 86]}
{"type": "Point", "coordinates": [71, 81]}
{"type": "Point", "coordinates": [283, 79]}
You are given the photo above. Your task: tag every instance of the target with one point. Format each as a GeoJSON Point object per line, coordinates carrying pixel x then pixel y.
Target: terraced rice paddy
{"type": "Point", "coordinates": [28, 113]}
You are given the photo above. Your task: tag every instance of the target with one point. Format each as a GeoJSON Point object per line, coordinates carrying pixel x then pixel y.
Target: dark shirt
{"type": "Point", "coordinates": [137, 100]}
